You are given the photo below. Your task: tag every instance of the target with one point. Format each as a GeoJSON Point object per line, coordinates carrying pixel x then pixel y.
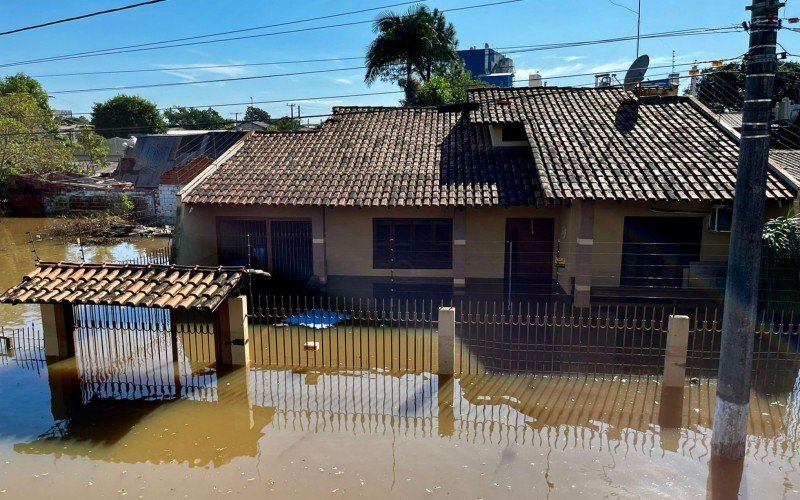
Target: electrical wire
{"type": "Point", "coordinates": [77, 18]}
{"type": "Point", "coordinates": [149, 46]}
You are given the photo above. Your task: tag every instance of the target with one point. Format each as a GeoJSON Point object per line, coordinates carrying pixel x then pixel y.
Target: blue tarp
{"type": "Point", "coordinates": [317, 318]}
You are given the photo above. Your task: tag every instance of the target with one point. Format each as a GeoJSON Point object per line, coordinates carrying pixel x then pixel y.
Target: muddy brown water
{"type": "Point", "coordinates": [122, 420]}
{"type": "Point", "coordinates": [17, 257]}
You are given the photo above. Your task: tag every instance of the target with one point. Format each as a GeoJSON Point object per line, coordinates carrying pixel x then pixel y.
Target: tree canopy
{"type": "Point", "coordinates": [24, 84]}
{"type": "Point", "coordinates": [124, 115]}
{"type": "Point", "coordinates": [722, 89]}
{"type": "Point", "coordinates": [410, 46]}
{"type": "Point", "coordinates": [29, 143]}
{"type": "Point", "coordinates": [254, 114]}
{"type": "Point", "coordinates": [448, 88]}
{"type": "Point", "coordinates": [195, 119]}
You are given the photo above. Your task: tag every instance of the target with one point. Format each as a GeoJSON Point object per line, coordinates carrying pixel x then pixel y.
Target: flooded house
{"type": "Point", "coordinates": [584, 193]}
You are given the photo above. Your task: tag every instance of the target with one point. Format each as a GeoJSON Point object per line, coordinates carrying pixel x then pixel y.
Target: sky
{"type": "Point", "coordinates": [526, 22]}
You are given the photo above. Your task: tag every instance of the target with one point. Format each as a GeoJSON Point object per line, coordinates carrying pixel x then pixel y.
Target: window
{"type": "Point", "coordinates": [412, 244]}
{"type": "Point", "coordinates": [721, 219]}
{"type": "Point", "coordinates": [514, 132]}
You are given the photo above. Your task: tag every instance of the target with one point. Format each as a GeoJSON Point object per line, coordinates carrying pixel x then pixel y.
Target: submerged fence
{"type": "Point", "coordinates": [403, 337]}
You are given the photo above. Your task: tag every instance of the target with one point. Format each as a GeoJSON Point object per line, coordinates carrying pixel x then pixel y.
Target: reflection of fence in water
{"type": "Point", "coordinates": [398, 336]}
{"type": "Point", "coordinates": [127, 353]}
{"type": "Point", "coordinates": [22, 346]}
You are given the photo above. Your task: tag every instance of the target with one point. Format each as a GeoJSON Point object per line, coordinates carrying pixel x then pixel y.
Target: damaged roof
{"type": "Point", "coordinates": [134, 285]}
{"type": "Point", "coordinates": [581, 144]}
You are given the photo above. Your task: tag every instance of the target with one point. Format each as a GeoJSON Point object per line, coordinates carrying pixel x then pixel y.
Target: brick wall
{"type": "Point", "coordinates": [167, 203]}
{"type": "Point", "coordinates": [87, 202]}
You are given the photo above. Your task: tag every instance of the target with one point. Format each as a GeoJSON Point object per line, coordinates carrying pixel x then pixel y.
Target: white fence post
{"type": "Point", "coordinates": [670, 413]}
{"type": "Point", "coordinates": [447, 340]}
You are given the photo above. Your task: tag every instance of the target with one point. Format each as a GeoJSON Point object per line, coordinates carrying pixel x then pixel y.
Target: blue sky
{"type": "Point", "coordinates": [522, 23]}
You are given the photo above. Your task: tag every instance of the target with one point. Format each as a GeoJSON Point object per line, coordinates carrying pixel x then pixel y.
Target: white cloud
{"type": "Point", "coordinates": [194, 72]}
{"type": "Point", "coordinates": [343, 81]}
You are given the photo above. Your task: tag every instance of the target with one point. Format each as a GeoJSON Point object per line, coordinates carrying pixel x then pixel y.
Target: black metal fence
{"type": "Point", "coordinates": [22, 346]}
{"type": "Point", "coordinates": [397, 336]}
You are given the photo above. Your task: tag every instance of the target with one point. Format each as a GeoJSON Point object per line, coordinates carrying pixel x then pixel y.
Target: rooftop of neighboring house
{"type": "Point", "coordinates": [154, 155]}
{"type": "Point", "coordinates": [787, 159]}
{"type": "Point", "coordinates": [562, 144]}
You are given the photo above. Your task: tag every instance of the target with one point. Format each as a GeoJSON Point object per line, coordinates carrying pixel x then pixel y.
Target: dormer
{"type": "Point", "coordinates": [510, 134]}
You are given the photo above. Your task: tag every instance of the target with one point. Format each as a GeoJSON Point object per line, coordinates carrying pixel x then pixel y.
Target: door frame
{"type": "Point", "coordinates": [267, 221]}
{"type": "Point", "coordinates": [506, 254]}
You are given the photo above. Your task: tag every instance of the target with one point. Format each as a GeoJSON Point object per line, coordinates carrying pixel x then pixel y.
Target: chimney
{"type": "Point", "coordinates": [534, 80]}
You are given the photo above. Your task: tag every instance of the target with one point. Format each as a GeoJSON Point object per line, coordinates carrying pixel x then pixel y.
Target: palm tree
{"type": "Point", "coordinates": [408, 43]}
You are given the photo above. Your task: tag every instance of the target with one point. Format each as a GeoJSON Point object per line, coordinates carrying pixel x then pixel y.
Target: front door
{"type": "Point", "coordinates": [529, 252]}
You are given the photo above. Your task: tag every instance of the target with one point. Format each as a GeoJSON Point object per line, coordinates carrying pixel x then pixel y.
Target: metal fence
{"type": "Point", "coordinates": [22, 346]}
{"type": "Point", "coordinates": [397, 336]}
{"type": "Point", "coordinates": [401, 336]}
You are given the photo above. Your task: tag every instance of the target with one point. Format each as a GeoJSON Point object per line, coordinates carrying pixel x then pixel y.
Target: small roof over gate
{"type": "Point", "coordinates": [134, 285]}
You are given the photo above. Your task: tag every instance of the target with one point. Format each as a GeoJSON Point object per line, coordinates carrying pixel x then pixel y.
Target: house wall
{"type": "Point", "coordinates": [347, 236]}
{"type": "Point", "coordinates": [343, 237]}
{"type": "Point", "coordinates": [610, 222]}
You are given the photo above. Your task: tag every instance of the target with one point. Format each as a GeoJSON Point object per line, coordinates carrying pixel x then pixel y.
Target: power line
{"type": "Point", "coordinates": [196, 82]}
{"type": "Point", "coordinates": [367, 94]}
{"type": "Point", "coordinates": [83, 16]}
{"type": "Point", "coordinates": [150, 45]}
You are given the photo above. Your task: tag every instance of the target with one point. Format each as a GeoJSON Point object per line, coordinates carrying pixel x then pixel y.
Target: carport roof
{"type": "Point", "coordinates": [133, 285]}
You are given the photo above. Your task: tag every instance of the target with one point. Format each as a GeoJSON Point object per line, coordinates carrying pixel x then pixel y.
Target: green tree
{"type": "Point", "coordinates": [24, 84]}
{"type": "Point", "coordinates": [196, 119]}
{"type": "Point", "coordinates": [254, 114]}
{"type": "Point", "coordinates": [722, 89]}
{"type": "Point", "coordinates": [93, 147]}
{"type": "Point", "coordinates": [124, 115]}
{"type": "Point", "coordinates": [284, 124]}
{"type": "Point", "coordinates": [450, 88]}
{"type": "Point", "coordinates": [780, 264]}
{"type": "Point", "coordinates": [29, 142]}
{"type": "Point", "coordinates": [408, 45]}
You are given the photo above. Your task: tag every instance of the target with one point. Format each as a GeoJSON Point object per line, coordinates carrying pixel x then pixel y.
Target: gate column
{"type": "Point", "coordinates": [58, 324]}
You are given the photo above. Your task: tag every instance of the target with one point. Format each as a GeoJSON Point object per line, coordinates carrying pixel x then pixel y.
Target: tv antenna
{"type": "Point", "coordinates": [635, 74]}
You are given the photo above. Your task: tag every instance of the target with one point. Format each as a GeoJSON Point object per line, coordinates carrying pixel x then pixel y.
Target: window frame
{"type": "Point", "coordinates": [384, 252]}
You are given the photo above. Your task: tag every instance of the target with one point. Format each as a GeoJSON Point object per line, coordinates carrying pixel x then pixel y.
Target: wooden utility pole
{"type": "Point", "coordinates": [744, 253]}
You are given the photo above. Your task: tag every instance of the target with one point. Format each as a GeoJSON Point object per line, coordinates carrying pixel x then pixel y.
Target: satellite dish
{"type": "Point", "coordinates": [635, 74]}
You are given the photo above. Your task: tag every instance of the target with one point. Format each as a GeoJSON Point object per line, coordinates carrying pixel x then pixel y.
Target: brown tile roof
{"type": "Point", "coordinates": [584, 144]}
{"type": "Point", "coordinates": [606, 144]}
{"type": "Point", "coordinates": [787, 159]}
{"type": "Point", "coordinates": [186, 172]}
{"type": "Point", "coordinates": [385, 157]}
{"type": "Point", "coordinates": [161, 286]}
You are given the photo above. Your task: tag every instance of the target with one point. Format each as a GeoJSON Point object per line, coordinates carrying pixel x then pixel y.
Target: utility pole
{"type": "Point", "coordinates": [638, 27]}
{"type": "Point", "coordinates": [291, 118]}
{"type": "Point", "coordinates": [299, 122]}
{"type": "Point", "coordinates": [744, 253]}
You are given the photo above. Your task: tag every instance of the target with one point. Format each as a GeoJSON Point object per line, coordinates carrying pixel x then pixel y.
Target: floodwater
{"type": "Point", "coordinates": [107, 423]}
{"type": "Point", "coordinates": [18, 258]}
{"type": "Point", "coordinates": [122, 420]}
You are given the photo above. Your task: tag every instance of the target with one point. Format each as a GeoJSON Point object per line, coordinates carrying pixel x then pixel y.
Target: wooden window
{"type": "Point", "coordinates": [412, 244]}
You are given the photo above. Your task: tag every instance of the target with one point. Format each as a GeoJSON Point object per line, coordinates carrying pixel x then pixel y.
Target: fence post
{"type": "Point", "coordinates": [58, 324]}
{"type": "Point", "coordinates": [447, 340]}
{"type": "Point", "coordinates": [671, 403]}
{"type": "Point", "coordinates": [234, 336]}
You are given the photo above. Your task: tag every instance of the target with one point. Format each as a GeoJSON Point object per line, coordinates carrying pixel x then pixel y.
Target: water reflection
{"type": "Point", "coordinates": [123, 404]}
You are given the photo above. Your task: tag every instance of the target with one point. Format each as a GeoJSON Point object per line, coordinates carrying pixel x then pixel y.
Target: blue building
{"type": "Point", "coordinates": [488, 65]}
